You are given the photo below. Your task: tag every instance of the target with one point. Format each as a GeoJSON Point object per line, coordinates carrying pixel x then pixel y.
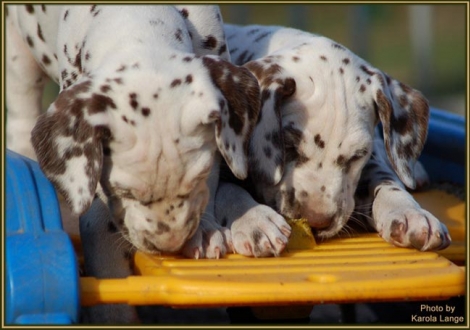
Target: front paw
{"type": "Point", "coordinates": [208, 242]}
{"type": "Point", "coordinates": [415, 227]}
{"type": "Point", "coordinates": [260, 232]}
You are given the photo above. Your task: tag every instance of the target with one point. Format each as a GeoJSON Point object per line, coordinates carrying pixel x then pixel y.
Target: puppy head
{"type": "Point", "coordinates": [320, 104]}
{"type": "Point", "coordinates": [149, 138]}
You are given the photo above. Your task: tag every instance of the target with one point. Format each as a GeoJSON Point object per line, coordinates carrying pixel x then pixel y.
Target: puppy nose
{"type": "Point", "coordinates": [319, 221]}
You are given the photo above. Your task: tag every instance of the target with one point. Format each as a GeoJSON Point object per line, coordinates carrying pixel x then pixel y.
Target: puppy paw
{"type": "Point", "coordinates": [209, 243]}
{"type": "Point", "coordinates": [415, 227]}
{"type": "Point", "coordinates": [260, 232]}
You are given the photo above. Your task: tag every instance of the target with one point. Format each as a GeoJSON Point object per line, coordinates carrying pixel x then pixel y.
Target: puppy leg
{"type": "Point", "coordinates": [257, 230]}
{"type": "Point", "coordinates": [397, 217]}
{"type": "Point", "coordinates": [107, 255]}
{"type": "Point", "coordinates": [25, 83]}
{"type": "Point", "coordinates": [211, 240]}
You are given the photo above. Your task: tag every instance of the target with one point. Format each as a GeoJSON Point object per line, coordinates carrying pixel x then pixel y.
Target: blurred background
{"type": "Point", "coordinates": [423, 46]}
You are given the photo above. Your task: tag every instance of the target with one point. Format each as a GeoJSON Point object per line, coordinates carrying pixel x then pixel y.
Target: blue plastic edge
{"type": "Point", "coordinates": [42, 280]}
{"type": "Point", "coordinates": [444, 153]}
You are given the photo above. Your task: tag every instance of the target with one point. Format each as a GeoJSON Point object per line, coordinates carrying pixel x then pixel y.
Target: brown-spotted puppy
{"type": "Point", "coordinates": [148, 101]}
{"type": "Point", "coordinates": [315, 152]}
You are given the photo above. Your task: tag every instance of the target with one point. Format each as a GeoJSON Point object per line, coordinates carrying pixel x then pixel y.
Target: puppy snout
{"type": "Point", "coordinates": [319, 221]}
{"type": "Point", "coordinates": [172, 244]}
{"type": "Point", "coordinates": [319, 215]}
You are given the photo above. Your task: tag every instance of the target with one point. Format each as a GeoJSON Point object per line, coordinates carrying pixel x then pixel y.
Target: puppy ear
{"type": "Point", "coordinates": [267, 152]}
{"type": "Point", "coordinates": [238, 113]}
{"type": "Point", "coordinates": [67, 142]}
{"type": "Point", "coordinates": [404, 113]}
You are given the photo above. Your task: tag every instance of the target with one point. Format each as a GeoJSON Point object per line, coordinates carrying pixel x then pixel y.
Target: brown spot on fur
{"type": "Point", "coordinates": [99, 103]}
{"type": "Point", "coordinates": [30, 9]}
{"type": "Point", "coordinates": [267, 152]}
{"type": "Point", "coordinates": [179, 35]}
{"type": "Point", "coordinates": [133, 100]}
{"type": "Point", "coordinates": [210, 42]}
{"type": "Point", "coordinates": [105, 88]}
{"type": "Point", "coordinates": [93, 11]}
{"type": "Point", "coordinates": [46, 60]}
{"type": "Point", "coordinates": [338, 46]}
{"type": "Point", "coordinates": [30, 42]}
{"type": "Point", "coordinates": [323, 58]}
{"type": "Point", "coordinates": [40, 33]}
{"type": "Point", "coordinates": [319, 142]}
{"type": "Point", "coordinates": [162, 228]}
{"type": "Point", "coordinates": [401, 124]}
{"type": "Point", "coordinates": [66, 14]}
{"type": "Point", "coordinates": [222, 49]}
{"type": "Point", "coordinates": [188, 79]}
{"type": "Point", "coordinates": [346, 61]}
{"type": "Point", "coordinates": [341, 161]}
{"type": "Point", "coordinates": [362, 89]}
{"type": "Point", "coordinates": [292, 139]}
{"type": "Point", "coordinates": [403, 100]}
{"type": "Point", "coordinates": [175, 83]}
{"type": "Point", "coordinates": [184, 13]}
{"type": "Point", "coordinates": [397, 229]}
{"type": "Point", "coordinates": [145, 112]}
{"type": "Point", "coordinates": [367, 70]}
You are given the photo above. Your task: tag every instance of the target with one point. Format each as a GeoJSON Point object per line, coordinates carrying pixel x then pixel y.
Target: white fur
{"type": "Point", "coordinates": [137, 121]}
{"type": "Point", "coordinates": [338, 100]}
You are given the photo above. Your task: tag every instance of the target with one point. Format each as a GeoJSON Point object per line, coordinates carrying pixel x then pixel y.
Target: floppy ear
{"type": "Point", "coordinates": [68, 144]}
{"type": "Point", "coordinates": [267, 154]}
{"type": "Point", "coordinates": [239, 111]}
{"type": "Point", "coordinates": [404, 113]}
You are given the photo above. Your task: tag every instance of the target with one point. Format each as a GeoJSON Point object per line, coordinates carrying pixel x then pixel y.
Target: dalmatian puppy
{"type": "Point", "coordinates": [148, 104]}
{"type": "Point", "coordinates": [316, 152]}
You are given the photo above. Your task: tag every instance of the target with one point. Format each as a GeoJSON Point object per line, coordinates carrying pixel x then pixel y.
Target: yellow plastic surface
{"type": "Point", "coordinates": [362, 268]}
